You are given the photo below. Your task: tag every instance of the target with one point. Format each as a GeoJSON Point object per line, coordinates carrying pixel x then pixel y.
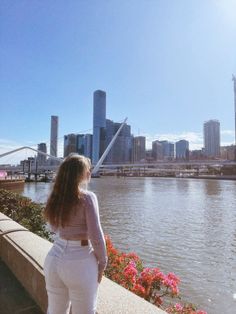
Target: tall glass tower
{"type": "Point", "coordinates": [99, 124]}
{"type": "Point", "coordinates": [42, 147]}
{"type": "Point", "coordinates": [182, 149]}
{"type": "Point", "coordinates": [212, 138]}
{"type": "Point", "coordinates": [54, 136]}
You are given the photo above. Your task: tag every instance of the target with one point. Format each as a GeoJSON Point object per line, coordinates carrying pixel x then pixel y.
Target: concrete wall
{"type": "Point", "coordinates": [24, 253]}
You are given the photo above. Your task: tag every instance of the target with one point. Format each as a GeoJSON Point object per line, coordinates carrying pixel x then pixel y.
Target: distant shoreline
{"type": "Point", "coordinates": [232, 178]}
{"type": "Point", "coordinates": [208, 177]}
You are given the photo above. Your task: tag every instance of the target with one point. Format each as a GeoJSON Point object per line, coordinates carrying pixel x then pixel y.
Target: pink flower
{"type": "Point", "coordinates": [139, 289]}
{"type": "Point", "coordinates": [178, 307]}
{"type": "Point", "coordinates": [130, 272]}
{"type": "Point", "coordinates": [173, 277]}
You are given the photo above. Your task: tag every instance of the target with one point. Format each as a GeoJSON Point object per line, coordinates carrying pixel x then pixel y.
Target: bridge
{"type": "Point", "coordinates": [177, 168]}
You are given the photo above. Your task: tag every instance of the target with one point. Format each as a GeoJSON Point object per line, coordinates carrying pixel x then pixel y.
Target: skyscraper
{"type": "Point", "coordinates": [168, 150]}
{"type": "Point", "coordinates": [70, 144]}
{"type": "Point", "coordinates": [80, 144]}
{"type": "Point", "coordinates": [122, 149]}
{"type": "Point", "coordinates": [182, 149]}
{"type": "Point", "coordinates": [157, 150]}
{"type": "Point", "coordinates": [212, 138]}
{"type": "Point", "coordinates": [139, 148]}
{"type": "Point", "coordinates": [54, 136]}
{"type": "Point", "coordinates": [162, 150]}
{"type": "Point", "coordinates": [88, 140]}
{"type": "Point", "coordinates": [84, 145]}
{"type": "Point", "coordinates": [42, 147]}
{"type": "Point", "coordinates": [99, 124]}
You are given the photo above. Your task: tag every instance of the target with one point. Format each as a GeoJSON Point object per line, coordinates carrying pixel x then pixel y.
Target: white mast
{"type": "Point", "coordinates": [234, 80]}
{"type": "Point", "coordinates": [95, 169]}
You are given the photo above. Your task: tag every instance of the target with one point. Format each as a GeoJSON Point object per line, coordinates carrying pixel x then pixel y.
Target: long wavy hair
{"type": "Point", "coordinates": [66, 193]}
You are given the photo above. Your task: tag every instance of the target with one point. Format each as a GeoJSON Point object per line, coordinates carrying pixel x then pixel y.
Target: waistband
{"type": "Point", "coordinates": [81, 243]}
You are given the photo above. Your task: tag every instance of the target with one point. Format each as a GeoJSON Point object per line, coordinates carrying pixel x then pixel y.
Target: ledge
{"type": "Point", "coordinates": [24, 253]}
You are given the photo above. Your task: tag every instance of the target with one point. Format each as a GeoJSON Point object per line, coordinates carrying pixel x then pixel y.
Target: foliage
{"type": "Point", "coordinates": [22, 210]}
{"type": "Point", "coordinates": [183, 309]}
{"type": "Point", "coordinates": [149, 283]}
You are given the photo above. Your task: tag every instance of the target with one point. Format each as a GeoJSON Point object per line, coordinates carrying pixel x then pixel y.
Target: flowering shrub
{"type": "Point", "coordinates": [184, 309]}
{"type": "Point", "coordinates": [148, 283]}
{"type": "Point", "coordinates": [22, 210]}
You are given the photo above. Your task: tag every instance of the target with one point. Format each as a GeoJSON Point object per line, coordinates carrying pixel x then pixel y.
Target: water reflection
{"type": "Point", "coordinates": [183, 185]}
{"type": "Point", "coordinates": [212, 187]}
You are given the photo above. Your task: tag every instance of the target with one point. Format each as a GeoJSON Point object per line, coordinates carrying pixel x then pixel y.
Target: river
{"type": "Point", "coordinates": [185, 226]}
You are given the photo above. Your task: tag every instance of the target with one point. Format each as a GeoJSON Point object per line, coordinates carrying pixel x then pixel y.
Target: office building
{"type": "Point", "coordinates": [139, 148]}
{"type": "Point", "coordinates": [70, 144]}
{"type": "Point", "coordinates": [88, 145]}
{"type": "Point", "coordinates": [121, 150]}
{"type": "Point", "coordinates": [84, 145]}
{"type": "Point", "coordinates": [80, 144]}
{"type": "Point", "coordinates": [182, 150]}
{"type": "Point", "coordinates": [54, 136]}
{"type": "Point", "coordinates": [212, 138]}
{"type": "Point", "coordinates": [162, 150]}
{"type": "Point", "coordinates": [197, 154]}
{"type": "Point", "coordinates": [168, 150]}
{"type": "Point", "coordinates": [148, 155]}
{"type": "Point", "coordinates": [42, 159]}
{"type": "Point", "coordinates": [227, 152]}
{"type": "Point", "coordinates": [157, 150]}
{"type": "Point", "coordinates": [99, 125]}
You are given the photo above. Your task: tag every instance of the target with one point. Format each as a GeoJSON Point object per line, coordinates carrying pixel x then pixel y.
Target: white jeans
{"type": "Point", "coordinates": [71, 275]}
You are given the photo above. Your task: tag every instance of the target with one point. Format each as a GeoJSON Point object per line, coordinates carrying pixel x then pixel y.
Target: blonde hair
{"type": "Point", "coordinates": [66, 193]}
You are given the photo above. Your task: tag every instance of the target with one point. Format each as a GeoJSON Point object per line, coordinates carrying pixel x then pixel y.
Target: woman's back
{"type": "Point", "coordinates": [74, 265]}
{"type": "Point", "coordinates": [76, 227]}
{"type": "Point", "coordinates": [84, 223]}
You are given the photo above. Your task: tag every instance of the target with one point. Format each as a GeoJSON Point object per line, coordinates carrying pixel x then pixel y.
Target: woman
{"type": "Point", "coordinates": [75, 264]}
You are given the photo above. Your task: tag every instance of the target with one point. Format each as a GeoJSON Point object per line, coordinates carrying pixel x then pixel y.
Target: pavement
{"type": "Point", "coordinates": [13, 297]}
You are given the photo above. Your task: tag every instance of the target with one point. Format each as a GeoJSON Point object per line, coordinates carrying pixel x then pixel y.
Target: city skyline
{"type": "Point", "coordinates": [168, 72]}
{"type": "Point", "coordinates": [171, 138]}
{"type": "Point", "coordinates": [173, 142]}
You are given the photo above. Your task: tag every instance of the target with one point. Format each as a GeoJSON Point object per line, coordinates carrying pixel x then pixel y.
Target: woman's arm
{"type": "Point", "coordinates": [95, 233]}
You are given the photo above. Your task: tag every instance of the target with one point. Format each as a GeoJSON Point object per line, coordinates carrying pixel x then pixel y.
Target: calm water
{"type": "Point", "coordinates": [182, 225]}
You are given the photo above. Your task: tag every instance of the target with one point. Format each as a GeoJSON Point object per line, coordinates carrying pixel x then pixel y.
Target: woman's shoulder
{"type": "Point", "coordinates": [89, 194]}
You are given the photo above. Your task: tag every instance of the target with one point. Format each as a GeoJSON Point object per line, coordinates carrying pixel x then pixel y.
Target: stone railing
{"type": "Point", "coordinates": [24, 253]}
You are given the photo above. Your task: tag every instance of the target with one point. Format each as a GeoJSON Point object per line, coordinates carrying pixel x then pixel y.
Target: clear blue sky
{"type": "Point", "coordinates": [165, 64]}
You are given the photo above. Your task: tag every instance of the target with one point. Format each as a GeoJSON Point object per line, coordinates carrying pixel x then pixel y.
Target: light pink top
{"type": "Point", "coordinates": [85, 223]}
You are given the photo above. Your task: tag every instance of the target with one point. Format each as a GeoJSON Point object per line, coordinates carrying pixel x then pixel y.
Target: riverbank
{"type": "Point", "coordinates": [211, 177]}
{"type": "Point", "coordinates": [215, 177]}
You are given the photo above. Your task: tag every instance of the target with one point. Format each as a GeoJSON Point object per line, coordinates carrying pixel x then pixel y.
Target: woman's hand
{"type": "Point", "coordinates": [100, 274]}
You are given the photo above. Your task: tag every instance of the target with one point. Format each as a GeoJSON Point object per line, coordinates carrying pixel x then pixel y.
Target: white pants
{"type": "Point", "coordinates": [71, 275]}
